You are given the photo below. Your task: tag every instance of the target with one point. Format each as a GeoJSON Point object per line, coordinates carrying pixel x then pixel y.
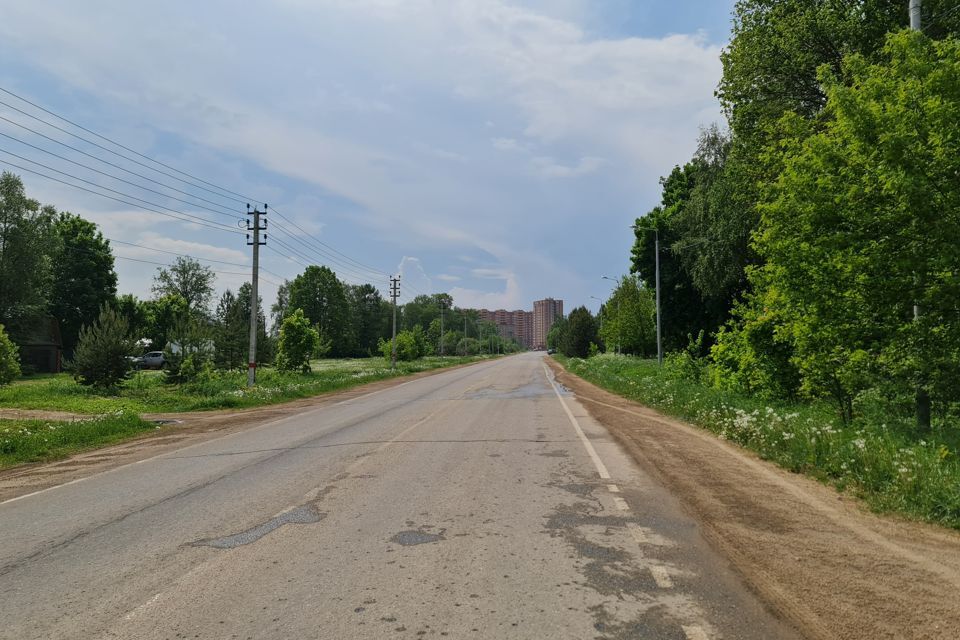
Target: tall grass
{"type": "Point", "coordinates": [39, 440]}
{"type": "Point", "coordinates": [882, 461]}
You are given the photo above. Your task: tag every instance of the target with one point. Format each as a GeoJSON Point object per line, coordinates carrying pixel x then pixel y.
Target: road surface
{"type": "Point", "coordinates": [481, 502]}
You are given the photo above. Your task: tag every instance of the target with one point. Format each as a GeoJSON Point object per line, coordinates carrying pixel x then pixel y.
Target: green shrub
{"type": "Point", "coordinates": [9, 358]}
{"type": "Point", "coordinates": [408, 347]}
{"type": "Point", "coordinates": [102, 356]}
{"type": "Point", "coordinates": [297, 344]}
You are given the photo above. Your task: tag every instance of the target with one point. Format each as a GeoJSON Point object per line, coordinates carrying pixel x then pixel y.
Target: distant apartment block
{"type": "Point", "coordinates": [545, 312]}
{"type": "Point", "coordinates": [516, 325]}
{"type": "Point", "coordinates": [529, 328]}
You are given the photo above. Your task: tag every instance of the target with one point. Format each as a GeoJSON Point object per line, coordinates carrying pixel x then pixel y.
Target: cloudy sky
{"type": "Point", "coordinates": [494, 149]}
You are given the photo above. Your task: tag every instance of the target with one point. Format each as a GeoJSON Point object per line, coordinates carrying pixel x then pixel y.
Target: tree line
{"type": "Point", "coordinates": [55, 265]}
{"type": "Point", "coordinates": [813, 241]}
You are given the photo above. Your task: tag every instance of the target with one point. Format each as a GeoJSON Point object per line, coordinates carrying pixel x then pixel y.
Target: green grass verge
{"type": "Point", "coordinates": [882, 462]}
{"type": "Point", "coordinates": [146, 392]}
{"type": "Point", "coordinates": [23, 441]}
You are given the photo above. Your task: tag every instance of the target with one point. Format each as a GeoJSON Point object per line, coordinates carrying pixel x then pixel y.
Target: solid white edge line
{"type": "Point", "coordinates": [226, 435]}
{"type": "Point", "coordinates": [597, 462]}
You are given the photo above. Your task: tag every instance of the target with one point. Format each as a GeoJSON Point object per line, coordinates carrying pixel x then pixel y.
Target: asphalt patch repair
{"type": "Point", "coordinates": [814, 556]}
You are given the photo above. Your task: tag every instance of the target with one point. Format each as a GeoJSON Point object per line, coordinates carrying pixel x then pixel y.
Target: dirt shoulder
{"type": "Point", "coordinates": [175, 431]}
{"type": "Point", "coordinates": [816, 557]}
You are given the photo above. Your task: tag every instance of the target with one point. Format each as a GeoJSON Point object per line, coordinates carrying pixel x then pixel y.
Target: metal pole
{"type": "Point", "coordinates": [656, 233]}
{"type": "Point", "coordinates": [923, 396]}
{"type": "Point", "coordinates": [254, 278]}
{"type": "Point", "coordinates": [915, 15]}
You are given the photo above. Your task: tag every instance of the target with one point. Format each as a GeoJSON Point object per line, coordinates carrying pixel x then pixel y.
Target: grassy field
{"type": "Point", "coordinates": [881, 460]}
{"type": "Point", "coordinates": [24, 441]}
{"type": "Point", "coordinates": [146, 392]}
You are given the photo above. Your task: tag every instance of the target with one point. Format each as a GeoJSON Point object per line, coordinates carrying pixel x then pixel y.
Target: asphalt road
{"type": "Point", "coordinates": [482, 502]}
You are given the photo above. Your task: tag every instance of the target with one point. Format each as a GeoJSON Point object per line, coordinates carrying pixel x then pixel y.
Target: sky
{"type": "Point", "coordinates": [497, 150]}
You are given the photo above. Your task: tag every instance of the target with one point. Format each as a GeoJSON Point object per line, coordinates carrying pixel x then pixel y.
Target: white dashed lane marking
{"type": "Point", "coordinates": [693, 632]}
{"type": "Point", "coordinates": [638, 535]}
{"type": "Point", "coordinates": [621, 504]}
{"type": "Point", "coordinates": [661, 577]}
{"type": "Point", "coordinates": [612, 488]}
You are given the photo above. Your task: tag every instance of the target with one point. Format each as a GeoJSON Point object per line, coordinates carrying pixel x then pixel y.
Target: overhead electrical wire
{"type": "Point", "coordinates": [223, 211]}
{"type": "Point", "coordinates": [328, 254]}
{"type": "Point", "coordinates": [189, 219]}
{"type": "Point", "coordinates": [185, 255]}
{"type": "Point", "coordinates": [106, 162]}
{"type": "Point", "coordinates": [126, 195]}
{"type": "Point", "coordinates": [100, 146]}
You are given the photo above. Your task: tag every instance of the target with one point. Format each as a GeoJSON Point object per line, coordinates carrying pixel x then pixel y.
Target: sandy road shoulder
{"type": "Point", "coordinates": [816, 557]}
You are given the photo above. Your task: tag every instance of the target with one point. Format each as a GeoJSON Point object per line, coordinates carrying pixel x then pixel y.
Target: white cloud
{"type": "Point", "coordinates": [398, 111]}
{"type": "Point", "coordinates": [414, 280]}
{"type": "Point", "coordinates": [446, 277]}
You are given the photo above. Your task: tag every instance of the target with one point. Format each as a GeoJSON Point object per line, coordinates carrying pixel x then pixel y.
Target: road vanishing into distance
{"type": "Point", "coordinates": [481, 502]}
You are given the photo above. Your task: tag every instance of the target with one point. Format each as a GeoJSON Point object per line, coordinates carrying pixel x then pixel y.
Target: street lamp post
{"type": "Point", "coordinates": [656, 258]}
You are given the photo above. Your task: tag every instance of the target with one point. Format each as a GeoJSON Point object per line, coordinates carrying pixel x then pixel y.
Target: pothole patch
{"type": "Point", "coordinates": [413, 536]}
{"type": "Point", "coordinates": [306, 514]}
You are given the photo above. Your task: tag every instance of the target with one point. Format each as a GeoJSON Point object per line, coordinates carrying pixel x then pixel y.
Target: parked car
{"type": "Point", "coordinates": [150, 360]}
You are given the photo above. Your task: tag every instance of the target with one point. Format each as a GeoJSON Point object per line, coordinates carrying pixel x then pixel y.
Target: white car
{"type": "Point", "coordinates": [151, 360]}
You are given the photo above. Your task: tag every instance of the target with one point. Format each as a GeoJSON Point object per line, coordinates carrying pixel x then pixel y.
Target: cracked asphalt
{"type": "Point", "coordinates": [482, 502]}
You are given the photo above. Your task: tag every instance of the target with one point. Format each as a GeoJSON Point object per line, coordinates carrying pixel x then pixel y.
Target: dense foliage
{"type": "Point", "coordinates": [814, 242]}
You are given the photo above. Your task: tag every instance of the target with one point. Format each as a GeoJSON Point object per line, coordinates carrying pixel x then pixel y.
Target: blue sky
{"type": "Point", "coordinates": [494, 149]}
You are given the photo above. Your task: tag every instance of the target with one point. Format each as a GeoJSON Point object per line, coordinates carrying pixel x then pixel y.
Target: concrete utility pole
{"type": "Point", "coordinates": [915, 20]}
{"type": "Point", "coordinates": [657, 262]}
{"type": "Point", "coordinates": [255, 242]}
{"type": "Point", "coordinates": [923, 396]}
{"type": "Point", "coordinates": [394, 294]}
{"type": "Point", "coordinates": [464, 334]}
{"type": "Point", "coordinates": [441, 328]}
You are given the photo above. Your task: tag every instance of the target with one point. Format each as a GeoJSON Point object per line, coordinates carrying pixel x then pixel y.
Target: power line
{"type": "Point", "coordinates": [351, 265]}
{"type": "Point", "coordinates": [106, 162]}
{"type": "Point", "coordinates": [324, 258]}
{"type": "Point", "coordinates": [340, 253]}
{"type": "Point", "coordinates": [191, 219]}
{"type": "Point", "coordinates": [185, 255]}
{"type": "Point", "coordinates": [160, 264]}
{"type": "Point", "coordinates": [226, 210]}
{"type": "Point", "coordinates": [100, 146]}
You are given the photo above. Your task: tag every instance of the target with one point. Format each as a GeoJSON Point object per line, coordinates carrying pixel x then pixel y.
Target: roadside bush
{"type": "Point", "coordinates": [9, 358]}
{"type": "Point", "coordinates": [688, 364]}
{"type": "Point", "coordinates": [101, 358]}
{"type": "Point", "coordinates": [408, 348]}
{"type": "Point", "coordinates": [297, 344]}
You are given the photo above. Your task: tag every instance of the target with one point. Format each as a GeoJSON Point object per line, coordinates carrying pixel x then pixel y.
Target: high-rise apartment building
{"type": "Point", "coordinates": [529, 328]}
{"type": "Point", "coordinates": [545, 312]}
{"type": "Point", "coordinates": [516, 325]}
